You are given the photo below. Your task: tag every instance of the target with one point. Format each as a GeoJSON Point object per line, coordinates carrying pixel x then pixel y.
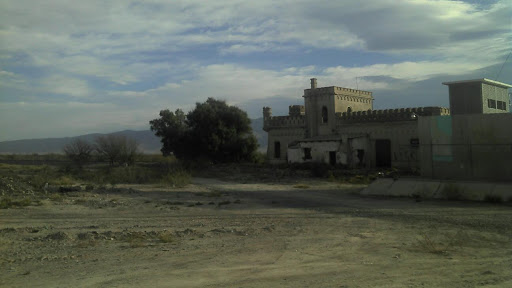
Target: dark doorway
{"type": "Point", "coordinates": [277, 149]}
{"type": "Point", "coordinates": [383, 153]}
{"type": "Point", "coordinates": [332, 157]}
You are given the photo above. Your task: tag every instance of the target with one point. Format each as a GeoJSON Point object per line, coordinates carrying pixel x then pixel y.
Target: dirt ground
{"type": "Point", "coordinates": [225, 234]}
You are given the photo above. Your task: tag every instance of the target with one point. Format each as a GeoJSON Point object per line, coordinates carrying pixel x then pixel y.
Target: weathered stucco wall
{"type": "Point", "coordinates": [284, 137]}
{"type": "Point", "coordinates": [469, 147]}
{"type": "Point", "coordinates": [356, 101]}
{"type": "Point", "coordinates": [399, 133]}
{"type": "Point", "coordinates": [314, 105]}
{"type": "Point", "coordinates": [358, 145]}
{"type": "Point", "coordinates": [319, 152]}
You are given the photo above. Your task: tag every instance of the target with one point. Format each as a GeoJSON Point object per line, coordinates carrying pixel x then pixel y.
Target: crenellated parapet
{"type": "Point", "coordinates": [334, 90]}
{"type": "Point", "coordinates": [277, 122]}
{"type": "Point", "coordinates": [296, 110]}
{"type": "Point", "coordinates": [400, 114]}
{"type": "Point", "coordinates": [348, 91]}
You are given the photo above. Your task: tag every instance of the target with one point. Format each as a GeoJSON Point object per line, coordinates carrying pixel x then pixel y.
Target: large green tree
{"type": "Point", "coordinates": [213, 130]}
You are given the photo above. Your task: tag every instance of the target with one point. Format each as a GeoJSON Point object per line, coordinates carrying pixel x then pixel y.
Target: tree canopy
{"type": "Point", "coordinates": [213, 130]}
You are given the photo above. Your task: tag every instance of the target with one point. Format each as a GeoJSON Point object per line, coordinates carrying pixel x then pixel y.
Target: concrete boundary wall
{"type": "Point", "coordinates": [435, 189]}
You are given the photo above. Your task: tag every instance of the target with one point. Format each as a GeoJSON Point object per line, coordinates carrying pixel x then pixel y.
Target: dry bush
{"type": "Point", "coordinates": [177, 178]}
{"type": "Point", "coordinates": [56, 197]}
{"type": "Point", "coordinates": [166, 237]}
{"type": "Point", "coordinates": [301, 186]}
{"type": "Point", "coordinates": [136, 239]}
{"type": "Point", "coordinates": [493, 198]}
{"type": "Point", "coordinates": [452, 191]}
{"type": "Point", "coordinates": [211, 194]}
{"type": "Point", "coordinates": [439, 243]}
{"type": "Point", "coordinates": [79, 151]}
{"type": "Point", "coordinates": [117, 149]}
{"type": "Point", "coordinates": [86, 243]}
{"type": "Point", "coordinates": [8, 202]}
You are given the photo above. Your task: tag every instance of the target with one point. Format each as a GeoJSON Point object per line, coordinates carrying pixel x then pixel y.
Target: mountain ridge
{"type": "Point", "coordinates": [148, 142]}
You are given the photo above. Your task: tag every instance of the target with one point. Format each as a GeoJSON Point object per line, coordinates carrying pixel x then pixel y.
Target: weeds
{"type": "Point", "coordinates": [174, 203]}
{"type": "Point", "coordinates": [56, 197]}
{"type": "Point", "coordinates": [177, 178]}
{"type": "Point", "coordinates": [493, 198]}
{"type": "Point", "coordinates": [320, 170]}
{"type": "Point", "coordinates": [8, 202]}
{"type": "Point", "coordinates": [166, 237]}
{"type": "Point", "coordinates": [301, 186]}
{"type": "Point", "coordinates": [211, 194]}
{"type": "Point", "coordinates": [87, 243]}
{"type": "Point", "coordinates": [360, 179]}
{"type": "Point", "coordinates": [452, 192]}
{"type": "Point", "coordinates": [136, 239]}
{"type": "Point", "coordinates": [437, 243]}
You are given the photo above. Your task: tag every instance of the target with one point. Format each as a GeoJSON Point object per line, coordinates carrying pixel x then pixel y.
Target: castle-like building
{"type": "Point", "coordinates": [339, 125]}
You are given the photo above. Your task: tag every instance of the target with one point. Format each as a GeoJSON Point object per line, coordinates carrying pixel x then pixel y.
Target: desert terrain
{"type": "Point", "coordinates": [220, 232]}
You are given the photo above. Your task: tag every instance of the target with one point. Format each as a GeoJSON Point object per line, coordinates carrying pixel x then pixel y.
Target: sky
{"type": "Point", "coordinates": [69, 68]}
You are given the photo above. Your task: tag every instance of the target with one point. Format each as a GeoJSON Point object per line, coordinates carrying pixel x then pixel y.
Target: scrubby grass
{"type": "Point", "coordinates": [452, 191]}
{"type": "Point", "coordinates": [135, 239]}
{"type": "Point", "coordinates": [151, 169]}
{"type": "Point", "coordinates": [436, 242]}
{"type": "Point", "coordinates": [177, 178]}
{"type": "Point", "coordinates": [301, 186]}
{"type": "Point", "coordinates": [86, 243]}
{"type": "Point", "coordinates": [56, 197]}
{"type": "Point", "coordinates": [493, 198]}
{"type": "Point", "coordinates": [8, 202]}
{"type": "Point", "coordinates": [33, 157]}
{"type": "Point", "coordinates": [212, 194]}
{"type": "Point", "coordinates": [166, 237]}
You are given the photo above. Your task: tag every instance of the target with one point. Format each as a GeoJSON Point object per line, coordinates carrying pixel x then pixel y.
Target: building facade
{"type": "Point", "coordinates": [339, 126]}
{"type": "Point", "coordinates": [478, 96]}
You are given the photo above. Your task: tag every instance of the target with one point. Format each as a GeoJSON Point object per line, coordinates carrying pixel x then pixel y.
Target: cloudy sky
{"type": "Point", "coordinates": [74, 67]}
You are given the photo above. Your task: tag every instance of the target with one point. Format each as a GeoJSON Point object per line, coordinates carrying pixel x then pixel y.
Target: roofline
{"type": "Point", "coordinates": [483, 80]}
{"type": "Point", "coordinates": [338, 87]}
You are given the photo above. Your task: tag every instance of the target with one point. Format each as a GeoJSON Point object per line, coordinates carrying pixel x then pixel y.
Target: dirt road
{"type": "Point", "coordinates": [222, 234]}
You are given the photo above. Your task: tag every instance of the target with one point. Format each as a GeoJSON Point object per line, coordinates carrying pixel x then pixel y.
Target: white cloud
{"type": "Point", "coordinates": [104, 39]}
{"type": "Point", "coordinates": [106, 28]}
{"type": "Point", "coordinates": [65, 85]}
{"type": "Point", "coordinates": [238, 84]}
{"type": "Point", "coordinates": [67, 47]}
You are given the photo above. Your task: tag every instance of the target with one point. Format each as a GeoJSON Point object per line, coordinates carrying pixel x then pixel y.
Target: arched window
{"type": "Point", "coordinates": [325, 116]}
{"type": "Point", "coordinates": [349, 109]}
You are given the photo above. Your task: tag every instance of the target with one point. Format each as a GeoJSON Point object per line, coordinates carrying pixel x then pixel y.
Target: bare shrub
{"type": "Point", "coordinates": [117, 149]}
{"type": "Point", "coordinates": [8, 202]}
{"type": "Point", "coordinates": [301, 186]}
{"type": "Point", "coordinates": [493, 198]}
{"type": "Point", "coordinates": [452, 191]}
{"type": "Point", "coordinates": [439, 243]}
{"type": "Point", "coordinates": [166, 237]}
{"type": "Point", "coordinates": [79, 151]}
{"type": "Point", "coordinates": [176, 178]}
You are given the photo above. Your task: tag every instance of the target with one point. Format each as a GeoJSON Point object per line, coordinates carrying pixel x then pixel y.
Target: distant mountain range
{"type": "Point", "coordinates": [147, 140]}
